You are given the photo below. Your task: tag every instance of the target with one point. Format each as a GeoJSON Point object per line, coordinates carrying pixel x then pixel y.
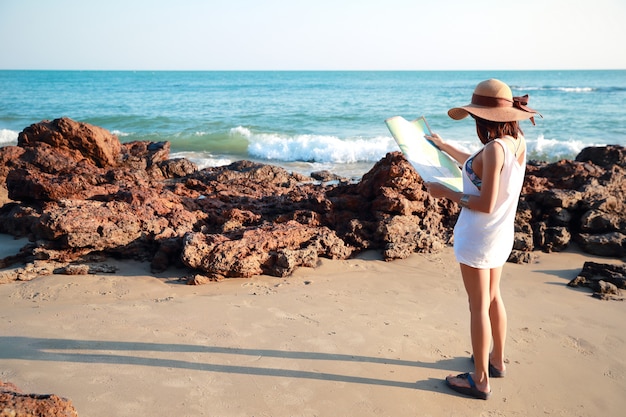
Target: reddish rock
{"type": "Point", "coordinates": [274, 249]}
{"type": "Point", "coordinates": [14, 403]}
{"type": "Point", "coordinates": [561, 175]}
{"type": "Point", "coordinates": [10, 158]}
{"type": "Point", "coordinates": [82, 140]}
{"type": "Point", "coordinates": [582, 201]}
{"type": "Point", "coordinates": [365, 213]}
{"type": "Point", "coordinates": [604, 156]}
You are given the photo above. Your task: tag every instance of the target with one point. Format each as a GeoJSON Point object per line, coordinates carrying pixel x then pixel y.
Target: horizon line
{"type": "Point", "coordinates": [309, 70]}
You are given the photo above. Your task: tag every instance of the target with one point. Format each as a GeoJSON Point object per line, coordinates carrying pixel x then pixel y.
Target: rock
{"type": "Point", "coordinates": [177, 168]}
{"type": "Point", "coordinates": [270, 249]}
{"type": "Point", "coordinates": [608, 288]}
{"type": "Point", "coordinates": [560, 217]}
{"type": "Point", "coordinates": [288, 260]}
{"type": "Point", "coordinates": [559, 198]}
{"type": "Point", "coordinates": [327, 176]}
{"type": "Point", "coordinates": [10, 158]}
{"type": "Point", "coordinates": [603, 296]}
{"type": "Point", "coordinates": [561, 175]}
{"type": "Point", "coordinates": [168, 253]}
{"type": "Point", "coordinates": [604, 244]}
{"type": "Point", "coordinates": [199, 279]}
{"type": "Point", "coordinates": [551, 239]}
{"type": "Point", "coordinates": [521, 257]}
{"type": "Point", "coordinates": [144, 155]}
{"type": "Point", "coordinates": [604, 156]}
{"type": "Point", "coordinates": [81, 140]}
{"type": "Point", "coordinates": [404, 235]}
{"type": "Point", "coordinates": [523, 241]}
{"type": "Point", "coordinates": [85, 269]}
{"type": "Point", "coordinates": [587, 197]}
{"type": "Point", "coordinates": [14, 403]}
{"type": "Point", "coordinates": [599, 221]}
{"type": "Point", "coordinates": [605, 280]}
{"type": "Point", "coordinates": [31, 270]}
{"type": "Point", "coordinates": [73, 270]}
{"type": "Point", "coordinates": [394, 211]}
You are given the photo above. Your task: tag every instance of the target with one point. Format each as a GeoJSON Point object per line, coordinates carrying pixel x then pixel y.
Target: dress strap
{"type": "Point", "coordinates": [515, 145]}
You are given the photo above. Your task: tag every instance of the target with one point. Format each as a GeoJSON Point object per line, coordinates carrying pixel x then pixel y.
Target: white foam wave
{"type": "Point", "coordinates": [333, 150]}
{"type": "Point", "coordinates": [553, 150]}
{"type": "Point", "coordinates": [538, 149]}
{"type": "Point", "coordinates": [8, 137]}
{"type": "Point", "coordinates": [202, 159]}
{"type": "Point", "coordinates": [119, 133]}
{"type": "Point", "coordinates": [563, 89]}
{"type": "Point", "coordinates": [241, 131]}
{"type": "Point", "coordinates": [316, 148]}
{"type": "Point", "coordinates": [576, 89]}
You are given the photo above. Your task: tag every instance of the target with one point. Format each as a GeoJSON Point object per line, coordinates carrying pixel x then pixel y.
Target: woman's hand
{"type": "Point", "coordinates": [457, 154]}
{"type": "Point", "coordinates": [435, 139]}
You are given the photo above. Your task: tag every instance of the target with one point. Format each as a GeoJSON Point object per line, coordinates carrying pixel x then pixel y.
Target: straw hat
{"type": "Point", "coordinates": [493, 100]}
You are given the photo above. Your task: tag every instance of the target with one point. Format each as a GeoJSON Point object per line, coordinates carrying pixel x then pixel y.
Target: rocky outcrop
{"type": "Point", "coordinates": [76, 198]}
{"type": "Point", "coordinates": [14, 403]}
{"type": "Point", "coordinates": [77, 192]}
{"type": "Point", "coordinates": [582, 201]}
{"type": "Point", "coordinates": [79, 141]}
{"type": "Point", "coordinates": [605, 280]}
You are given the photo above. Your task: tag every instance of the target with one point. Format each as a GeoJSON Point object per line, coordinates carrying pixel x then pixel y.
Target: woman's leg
{"type": "Point", "coordinates": [477, 285]}
{"type": "Point", "coordinates": [497, 314]}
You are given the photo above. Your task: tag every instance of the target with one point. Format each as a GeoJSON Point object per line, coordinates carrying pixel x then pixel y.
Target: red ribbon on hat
{"type": "Point", "coordinates": [521, 102]}
{"type": "Point", "coordinates": [518, 102]}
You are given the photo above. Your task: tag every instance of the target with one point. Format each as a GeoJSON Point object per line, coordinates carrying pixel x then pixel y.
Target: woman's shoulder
{"type": "Point", "coordinates": [496, 145]}
{"type": "Point", "coordinates": [509, 142]}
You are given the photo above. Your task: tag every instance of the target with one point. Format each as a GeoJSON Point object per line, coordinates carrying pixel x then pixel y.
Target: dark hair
{"type": "Point", "coordinates": [488, 130]}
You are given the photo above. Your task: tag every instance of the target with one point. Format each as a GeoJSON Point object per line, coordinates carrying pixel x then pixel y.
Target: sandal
{"type": "Point", "coordinates": [470, 391]}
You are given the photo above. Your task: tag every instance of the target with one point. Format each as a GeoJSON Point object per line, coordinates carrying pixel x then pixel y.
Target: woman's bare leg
{"type": "Point", "coordinates": [497, 314]}
{"type": "Point", "coordinates": [477, 285]}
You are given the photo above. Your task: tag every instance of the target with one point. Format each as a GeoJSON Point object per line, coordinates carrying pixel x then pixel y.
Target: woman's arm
{"type": "Point", "coordinates": [493, 160]}
{"type": "Point", "coordinates": [454, 152]}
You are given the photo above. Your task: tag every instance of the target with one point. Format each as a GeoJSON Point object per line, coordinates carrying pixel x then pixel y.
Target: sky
{"type": "Point", "coordinates": [312, 34]}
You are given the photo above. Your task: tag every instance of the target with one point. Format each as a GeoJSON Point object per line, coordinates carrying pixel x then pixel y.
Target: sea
{"type": "Point", "coordinates": [309, 121]}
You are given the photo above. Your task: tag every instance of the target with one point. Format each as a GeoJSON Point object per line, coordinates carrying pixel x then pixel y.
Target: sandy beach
{"type": "Point", "coordinates": [361, 337]}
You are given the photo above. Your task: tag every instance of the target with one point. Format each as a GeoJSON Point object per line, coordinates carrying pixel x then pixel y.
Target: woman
{"type": "Point", "coordinates": [484, 232]}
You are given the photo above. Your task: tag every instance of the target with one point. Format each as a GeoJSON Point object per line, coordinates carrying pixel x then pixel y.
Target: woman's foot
{"type": "Point", "coordinates": [464, 384]}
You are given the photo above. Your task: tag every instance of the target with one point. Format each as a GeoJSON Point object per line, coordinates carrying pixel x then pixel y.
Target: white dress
{"type": "Point", "coordinates": [485, 240]}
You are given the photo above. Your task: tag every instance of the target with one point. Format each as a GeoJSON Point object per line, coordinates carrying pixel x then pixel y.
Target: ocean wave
{"type": "Point", "coordinates": [540, 149]}
{"type": "Point", "coordinates": [308, 152]}
{"type": "Point", "coordinates": [202, 159]}
{"type": "Point", "coordinates": [8, 137]}
{"type": "Point", "coordinates": [120, 134]}
{"type": "Point", "coordinates": [353, 158]}
{"type": "Point", "coordinates": [315, 148]}
{"type": "Point", "coordinates": [562, 89]}
{"type": "Point", "coordinates": [571, 89]}
{"type": "Point", "coordinates": [553, 150]}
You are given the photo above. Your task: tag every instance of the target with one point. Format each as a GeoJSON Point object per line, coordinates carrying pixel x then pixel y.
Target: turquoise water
{"type": "Point", "coordinates": [308, 120]}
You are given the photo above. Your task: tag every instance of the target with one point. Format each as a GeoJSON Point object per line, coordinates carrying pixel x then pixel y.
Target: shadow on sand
{"type": "Point", "coordinates": [107, 352]}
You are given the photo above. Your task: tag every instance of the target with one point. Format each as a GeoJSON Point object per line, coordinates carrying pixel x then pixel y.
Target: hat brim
{"type": "Point", "coordinates": [495, 114]}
